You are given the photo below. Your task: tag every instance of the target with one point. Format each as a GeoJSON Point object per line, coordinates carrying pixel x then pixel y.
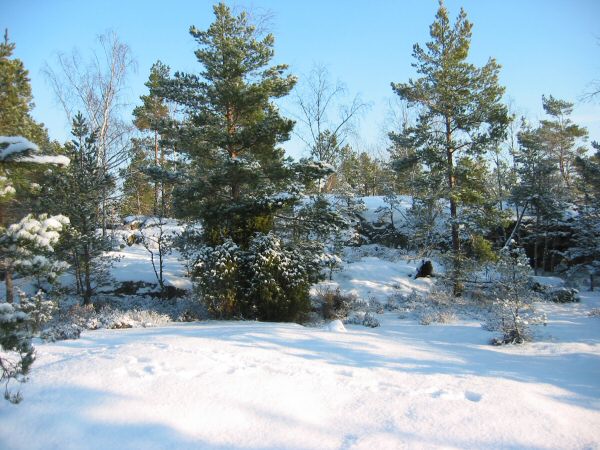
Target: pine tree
{"type": "Point", "coordinates": [152, 116]}
{"type": "Point", "coordinates": [16, 103]}
{"type": "Point", "coordinates": [459, 110]}
{"type": "Point", "coordinates": [584, 254]}
{"type": "Point", "coordinates": [20, 142]}
{"type": "Point", "coordinates": [238, 183]}
{"type": "Point", "coordinates": [17, 352]}
{"type": "Point", "coordinates": [562, 138]}
{"type": "Point", "coordinates": [139, 196]}
{"type": "Point", "coordinates": [77, 193]}
{"type": "Point", "coordinates": [16, 100]}
{"type": "Point", "coordinates": [539, 190]}
{"type": "Point", "coordinates": [21, 166]}
{"type": "Point", "coordinates": [234, 127]}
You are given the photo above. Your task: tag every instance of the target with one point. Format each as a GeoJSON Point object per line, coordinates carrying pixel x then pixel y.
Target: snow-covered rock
{"type": "Point", "coordinates": [336, 326]}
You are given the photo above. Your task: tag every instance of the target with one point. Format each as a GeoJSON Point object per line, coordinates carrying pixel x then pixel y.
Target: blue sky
{"type": "Point", "coordinates": [544, 46]}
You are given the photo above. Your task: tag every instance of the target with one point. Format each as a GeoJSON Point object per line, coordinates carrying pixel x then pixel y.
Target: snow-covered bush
{"type": "Point", "coordinates": [28, 247]}
{"type": "Point", "coordinates": [216, 274]}
{"type": "Point", "coordinates": [366, 318]}
{"type": "Point", "coordinates": [61, 332]}
{"type": "Point", "coordinates": [278, 280]}
{"type": "Point", "coordinates": [437, 317]}
{"type": "Point", "coordinates": [370, 320]}
{"type": "Point", "coordinates": [403, 301]}
{"type": "Point", "coordinates": [38, 308]}
{"type": "Point", "coordinates": [79, 315]}
{"type": "Point", "coordinates": [87, 318]}
{"type": "Point", "coordinates": [115, 319]}
{"type": "Point", "coordinates": [266, 282]}
{"type": "Point", "coordinates": [514, 298]}
{"type": "Point", "coordinates": [594, 312]}
{"type": "Point", "coordinates": [562, 295]}
{"type": "Point", "coordinates": [17, 352]}
{"type": "Point", "coordinates": [122, 311]}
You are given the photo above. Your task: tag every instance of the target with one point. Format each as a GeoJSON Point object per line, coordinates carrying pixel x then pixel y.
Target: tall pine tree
{"type": "Point", "coordinates": [152, 116]}
{"type": "Point", "coordinates": [459, 111]}
{"type": "Point", "coordinates": [238, 183]}
{"type": "Point", "coordinates": [233, 127]}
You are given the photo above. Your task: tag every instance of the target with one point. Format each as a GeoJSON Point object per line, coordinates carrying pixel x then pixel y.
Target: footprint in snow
{"type": "Point", "coordinates": [454, 395]}
{"type": "Point", "coordinates": [349, 441]}
{"type": "Point", "coordinates": [447, 395]}
{"type": "Point", "coordinates": [473, 396]}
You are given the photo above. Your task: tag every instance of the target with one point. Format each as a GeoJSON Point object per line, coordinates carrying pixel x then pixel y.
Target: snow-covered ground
{"type": "Point", "coordinates": [134, 265]}
{"type": "Point", "coordinates": [376, 272]}
{"type": "Point", "coordinates": [258, 385]}
{"type": "Point", "coordinates": [249, 385]}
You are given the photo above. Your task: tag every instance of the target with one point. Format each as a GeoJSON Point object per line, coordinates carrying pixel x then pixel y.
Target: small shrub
{"type": "Point", "coordinates": [17, 353]}
{"type": "Point", "coordinates": [594, 312]}
{"type": "Point", "coordinates": [116, 319]}
{"type": "Point", "coordinates": [562, 295]}
{"type": "Point", "coordinates": [441, 295]}
{"type": "Point", "coordinates": [426, 319]}
{"type": "Point", "coordinates": [333, 304]}
{"type": "Point", "coordinates": [514, 298]}
{"type": "Point", "coordinates": [80, 315]}
{"type": "Point", "coordinates": [61, 332]}
{"type": "Point", "coordinates": [392, 304]}
{"type": "Point", "coordinates": [365, 318]}
{"type": "Point", "coordinates": [38, 308]}
{"type": "Point", "coordinates": [370, 320]}
{"type": "Point", "coordinates": [437, 317]}
{"type": "Point", "coordinates": [376, 306]}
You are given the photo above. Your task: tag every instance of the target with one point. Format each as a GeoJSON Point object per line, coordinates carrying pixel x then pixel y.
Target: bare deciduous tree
{"type": "Point", "coordinates": [325, 120]}
{"type": "Point", "coordinates": [96, 87]}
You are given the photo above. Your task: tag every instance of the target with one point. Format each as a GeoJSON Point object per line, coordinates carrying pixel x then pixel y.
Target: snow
{"type": "Point", "coordinates": [552, 282]}
{"type": "Point", "coordinates": [259, 385]}
{"type": "Point", "coordinates": [57, 160]}
{"type": "Point", "coordinates": [372, 277]}
{"type": "Point", "coordinates": [13, 145]}
{"type": "Point", "coordinates": [134, 265]}
{"type": "Point", "coordinates": [226, 385]}
{"type": "Point", "coordinates": [373, 203]}
{"type": "Point", "coordinates": [336, 326]}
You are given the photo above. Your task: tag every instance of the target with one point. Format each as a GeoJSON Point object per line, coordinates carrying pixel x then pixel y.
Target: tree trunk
{"type": "Point", "coordinates": [104, 195]}
{"type": "Point", "coordinates": [517, 225]}
{"type": "Point", "coordinates": [535, 243]}
{"type": "Point", "coordinates": [156, 163]}
{"type": "Point", "coordinates": [87, 293]}
{"type": "Point", "coordinates": [456, 285]}
{"type": "Point", "coordinates": [8, 278]}
{"type": "Point", "coordinates": [552, 254]}
{"type": "Point", "coordinates": [545, 250]}
{"type": "Point", "coordinates": [78, 281]}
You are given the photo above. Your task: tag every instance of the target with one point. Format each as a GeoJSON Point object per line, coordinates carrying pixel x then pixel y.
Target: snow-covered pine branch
{"type": "Point", "coordinates": [19, 149]}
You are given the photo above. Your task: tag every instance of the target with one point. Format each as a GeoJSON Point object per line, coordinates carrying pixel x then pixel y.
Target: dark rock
{"type": "Point", "coordinates": [425, 269]}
